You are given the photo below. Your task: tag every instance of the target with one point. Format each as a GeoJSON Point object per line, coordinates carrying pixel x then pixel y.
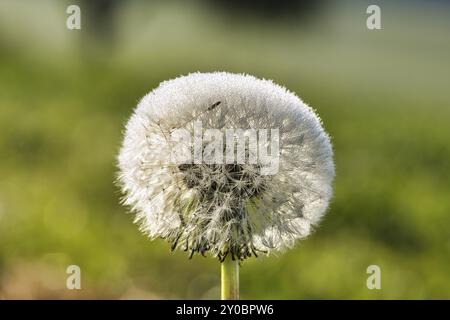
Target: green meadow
{"type": "Point", "coordinates": [383, 96]}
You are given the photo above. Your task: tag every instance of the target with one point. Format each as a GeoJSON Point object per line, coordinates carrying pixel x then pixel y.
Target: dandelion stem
{"type": "Point", "coordinates": [230, 279]}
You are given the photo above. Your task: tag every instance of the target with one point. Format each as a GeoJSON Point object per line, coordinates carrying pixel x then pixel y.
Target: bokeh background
{"type": "Point", "coordinates": [383, 95]}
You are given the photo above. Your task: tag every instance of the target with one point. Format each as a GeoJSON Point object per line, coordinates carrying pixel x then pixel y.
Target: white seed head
{"type": "Point", "coordinates": [225, 208]}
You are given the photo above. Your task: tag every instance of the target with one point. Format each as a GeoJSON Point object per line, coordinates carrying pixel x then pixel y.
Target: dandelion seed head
{"type": "Point", "coordinates": [225, 208]}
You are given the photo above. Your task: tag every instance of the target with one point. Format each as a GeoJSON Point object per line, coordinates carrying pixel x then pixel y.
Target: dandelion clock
{"type": "Point", "coordinates": [227, 166]}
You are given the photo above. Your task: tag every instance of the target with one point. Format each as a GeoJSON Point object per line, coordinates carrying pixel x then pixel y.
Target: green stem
{"type": "Point", "coordinates": [230, 279]}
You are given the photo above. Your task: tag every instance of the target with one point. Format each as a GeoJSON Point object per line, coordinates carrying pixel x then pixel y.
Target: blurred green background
{"type": "Point", "coordinates": [383, 95]}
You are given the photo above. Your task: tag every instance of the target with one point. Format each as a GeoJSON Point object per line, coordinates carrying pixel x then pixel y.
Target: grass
{"type": "Point", "coordinates": [60, 130]}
